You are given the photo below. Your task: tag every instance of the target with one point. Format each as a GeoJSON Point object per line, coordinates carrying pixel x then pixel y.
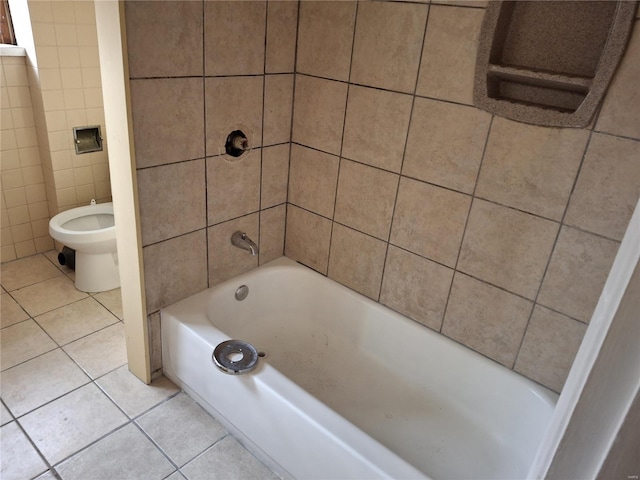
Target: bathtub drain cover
{"type": "Point", "coordinates": [235, 357]}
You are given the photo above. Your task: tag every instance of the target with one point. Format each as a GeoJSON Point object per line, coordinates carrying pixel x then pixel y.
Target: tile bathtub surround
{"type": "Point", "coordinates": [192, 195]}
{"type": "Point", "coordinates": [402, 190]}
{"type": "Point", "coordinates": [386, 149]}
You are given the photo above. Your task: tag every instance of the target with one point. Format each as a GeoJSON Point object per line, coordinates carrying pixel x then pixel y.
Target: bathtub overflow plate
{"type": "Point", "coordinates": [235, 357]}
{"type": "Point", "coordinates": [242, 292]}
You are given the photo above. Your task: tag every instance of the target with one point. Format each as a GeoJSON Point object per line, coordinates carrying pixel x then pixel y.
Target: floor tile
{"type": "Point", "coordinates": [72, 422]}
{"type": "Point", "coordinates": [12, 313]}
{"type": "Point", "coordinates": [131, 394]}
{"type": "Point", "coordinates": [19, 459]}
{"type": "Point", "coordinates": [100, 352]}
{"type": "Point", "coordinates": [22, 342]}
{"type": "Point", "coordinates": [5, 415]}
{"type": "Point", "coordinates": [123, 455]}
{"type": "Point", "coordinates": [112, 300]}
{"type": "Point", "coordinates": [181, 428]}
{"type": "Point", "coordinates": [27, 271]}
{"type": "Point", "coordinates": [48, 295]}
{"type": "Point", "coordinates": [31, 384]}
{"type": "Point", "coordinates": [227, 459]}
{"type": "Point", "coordinates": [76, 320]}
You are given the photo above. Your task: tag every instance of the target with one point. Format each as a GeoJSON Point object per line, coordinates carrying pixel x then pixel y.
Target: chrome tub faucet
{"type": "Point", "coordinates": [240, 240]}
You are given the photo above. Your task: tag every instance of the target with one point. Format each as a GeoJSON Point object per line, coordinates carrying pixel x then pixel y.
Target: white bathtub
{"type": "Point", "coordinates": [349, 388]}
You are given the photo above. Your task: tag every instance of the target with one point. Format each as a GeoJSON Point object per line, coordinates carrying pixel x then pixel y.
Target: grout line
{"type": "Point", "coordinates": [404, 152]}
{"type": "Point", "coordinates": [262, 142]}
{"type": "Point", "coordinates": [204, 139]}
{"type": "Point", "coordinates": [44, 459]}
{"type": "Point", "coordinates": [293, 103]}
{"type": "Point", "coordinates": [344, 126]}
{"type": "Point", "coordinates": [555, 243]}
{"type": "Point", "coordinates": [466, 223]}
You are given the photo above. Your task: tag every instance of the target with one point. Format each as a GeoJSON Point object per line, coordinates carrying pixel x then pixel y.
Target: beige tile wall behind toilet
{"type": "Point", "coordinates": [67, 92]}
{"type": "Point", "coordinates": [196, 70]}
{"type": "Point", "coordinates": [497, 234]}
{"type": "Point", "coordinates": [24, 208]}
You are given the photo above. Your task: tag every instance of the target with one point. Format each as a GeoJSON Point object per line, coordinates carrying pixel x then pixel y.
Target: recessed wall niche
{"type": "Point", "coordinates": [550, 63]}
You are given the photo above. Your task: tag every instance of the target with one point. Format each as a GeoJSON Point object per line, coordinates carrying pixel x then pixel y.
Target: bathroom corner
{"type": "Point", "coordinates": [189, 91]}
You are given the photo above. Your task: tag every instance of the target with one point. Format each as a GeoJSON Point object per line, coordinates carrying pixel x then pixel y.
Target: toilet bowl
{"type": "Point", "coordinates": [91, 232]}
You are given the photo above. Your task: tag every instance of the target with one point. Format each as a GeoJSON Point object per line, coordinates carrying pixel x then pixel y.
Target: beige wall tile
{"type": "Point", "coordinates": [416, 287]}
{"type": "Point", "coordinates": [10, 160]}
{"type": "Point", "coordinates": [506, 247]}
{"type": "Point", "coordinates": [325, 38]}
{"type": "Point", "coordinates": [43, 244]}
{"type": "Point", "coordinates": [282, 24]}
{"type": "Point", "coordinates": [15, 197]}
{"type": "Point", "coordinates": [487, 319]}
{"type": "Point", "coordinates": [531, 168]}
{"type": "Point", "coordinates": [620, 114]}
{"type": "Point", "coordinates": [67, 197]}
{"type": "Point", "coordinates": [429, 220]}
{"type": "Point", "coordinates": [7, 253]}
{"type": "Point", "coordinates": [549, 347]}
{"type": "Point", "coordinates": [22, 232]}
{"type": "Point", "coordinates": [226, 260]}
{"type": "Point", "coordinates": [318, 115]}
{"type": "Point", "coordinates": [357, 261]}
{"type": "Point", "coordinates": [365, 198]}
{"type": "Point", "coordinates": [445, 144]}
{"type": "Point", "coordinates": [18, 215]}
{"type": "Point", "coordinates": [234, 35]}
{"type": "Point", "coordinates": [577, 272]}
{"type": "Point", "coordinates": [278, 103]}
{"type": "Point", "coordinates": [388, 40]}
{"type": "Point", "coordinates": [376, 127]}
{"type": "Point", "coordinates": [172, 200]}
{"type": "Point", "coordinates": [449, 55]}
{"type": "Point", "coordinates": [308, 237]}
{"type": "Point", "coordinates": [275, 175]}
{"type": "Point", "coordinates": [85, 193]}
{"type": "Point", "coordinates": [38, 210]}
{"type": "Point", "coordinates": [164, 39]}
{"type": "Point", "coordinates": [25, 248]}
{"type": "Point", "coordinates": [313, 177]}
{"type": "Point", "coordinates": [44, 33]}
{"type": "Point", "coordinates": [175, 269]}
{"type": "Point", "coordinates": [164, 126]}
{"type": "Point", "coordinates": [272, 224]}
{"type": "Point", "coordinates": [232, 102]}
{"type": "Point", "coordinates": [69, 57]}
{"type": "Point", "coordinates": [608, 187]}
{"type": "Point", "coordinates": [233, 188]}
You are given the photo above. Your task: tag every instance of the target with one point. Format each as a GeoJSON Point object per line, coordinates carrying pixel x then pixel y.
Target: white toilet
{"type": "Point", "coordinates": [91, 232]}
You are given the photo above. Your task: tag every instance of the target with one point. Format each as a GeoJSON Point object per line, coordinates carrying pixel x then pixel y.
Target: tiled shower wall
{"type": "Point", "coordinates": [497, 234]}
{"type": "Point", "coordinates": [24, 209]}
{"type": "Point", "coordinates": [199, 70]}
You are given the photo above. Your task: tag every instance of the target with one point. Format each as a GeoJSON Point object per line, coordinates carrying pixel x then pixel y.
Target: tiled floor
{"type": "Point", "coordinates": [71, 409]}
